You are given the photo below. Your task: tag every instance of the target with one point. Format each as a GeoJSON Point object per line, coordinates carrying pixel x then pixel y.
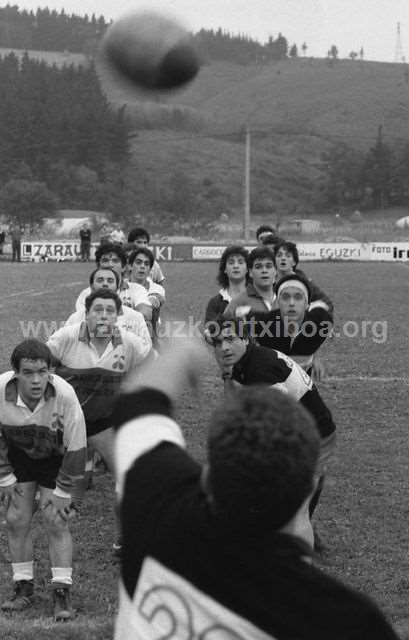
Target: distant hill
{"type": "Point", "coordinates": [296, 110]}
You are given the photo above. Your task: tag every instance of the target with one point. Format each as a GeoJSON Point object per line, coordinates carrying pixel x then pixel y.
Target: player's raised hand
{"type": "Point", "coordinates": [180, 364]}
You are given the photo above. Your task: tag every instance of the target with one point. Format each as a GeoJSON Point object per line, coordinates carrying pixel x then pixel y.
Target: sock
{"type": "Point", "coordinates": [62, 575]}
{"type": "Point", "coordinates": [22, 570]}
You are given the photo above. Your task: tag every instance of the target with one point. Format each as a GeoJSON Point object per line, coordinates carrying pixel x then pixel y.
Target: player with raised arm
{"type": "Point", "coordinates": [42, 448]}
{"type": "Point", "coordinates": [224, 550]}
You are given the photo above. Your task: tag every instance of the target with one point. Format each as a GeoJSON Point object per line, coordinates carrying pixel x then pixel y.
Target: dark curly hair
{"type": "Point", "coordinates": [232, 250]}
{"type": "Point", "coordinates": [258, 254]}
{"type": "Point", "coordinates": [263, 449]}
{"type": "Point", "coordinates": [111, 247]}
{"type": "Point", "coordinates": [32, 350]}
{"type": "Point", "coordinates": [291, 247]}
{"type": "Point", "coordinates": [105, 294]}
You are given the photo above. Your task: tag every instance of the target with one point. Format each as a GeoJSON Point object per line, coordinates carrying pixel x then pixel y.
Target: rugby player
{"type": "Point", "coordinates": [132, 294]}
{"type": "Point", "coordinates": [141, 262]}
{"type": "Point", "coordinates": [128, 318]}
{"type": "Point", "coordinates": [141, 238]}
{"type": "Point", "coordinates": [225, 550]}
{"type": "Point", "coordinates": [298, 327]}
{"type": "Point", "coordinates": [259, 296]}
{"type": "Point", "coordinates": [94, 356]}
{"type": "Point", "coordinates": [42, 447]}
{"type": "Point", "coordinates": [232, 276]}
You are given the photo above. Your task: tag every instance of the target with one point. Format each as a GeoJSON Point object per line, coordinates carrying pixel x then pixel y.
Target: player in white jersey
{"type": "Point", "coordinates": [132, 294]}
{"type": "Point", "coordinates": [42, 448]}
{"type": "Point", "coordinates": [141, 261]}
{"type": "Point", "coordinates": [141, 238]}
{"type": "Point", "coordinates": [128, 318]}
{"type": "Point", "coordinates": [94, 356]}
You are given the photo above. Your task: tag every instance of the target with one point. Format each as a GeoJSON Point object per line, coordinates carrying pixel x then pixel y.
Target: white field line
{"type": "Point", "coordinates": [377, 379]}
{"type": "Point", "coordinates": [34, 292]}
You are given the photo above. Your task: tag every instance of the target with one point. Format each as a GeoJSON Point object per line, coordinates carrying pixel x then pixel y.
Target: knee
{"type": "Point", "coordinates": [17, 519]}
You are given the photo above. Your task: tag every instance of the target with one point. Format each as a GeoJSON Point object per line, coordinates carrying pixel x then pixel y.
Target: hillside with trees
{"type": "Point", "coordinates": [326, 134]}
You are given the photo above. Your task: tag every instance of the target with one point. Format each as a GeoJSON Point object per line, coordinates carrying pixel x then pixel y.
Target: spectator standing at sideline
{"type": "Point", "coordinates": [224, 549]}
{"type": "Point", "coordinates": [15, 233]}
{"type": "Point", "coordinates": [85, 242]}
{"type": "Point", "coordinates": [2, 241]}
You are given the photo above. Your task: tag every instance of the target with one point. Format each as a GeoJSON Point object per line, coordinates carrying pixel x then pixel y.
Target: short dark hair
{"type": "Point", "coordinates": [110, 247]}
{"type": "Point", "coordinates": [263, 449]}
{"type": "Point", "coordinates": [147, 252]}
{"type": "Point", "coordinates": [294, 276]}
{"type": "Point", "coordinates": [291, 247]}
{"type": "Point", "coordinates": [264, 228]}
{"type": "Point", "coordinates": [239, 326]}
{"type": "Point", "coordinates": [138, 232]}
{"type": "Point", "coordinates": [232, 250]}
{"type": "Point", "coordinates": [105, 294]}
{"type": "Point", "coordinates": [258, 254]}
{"type": "Point", "coordinates": [32, 350]}
{"type": "Point", "coordinates": [92, 275]}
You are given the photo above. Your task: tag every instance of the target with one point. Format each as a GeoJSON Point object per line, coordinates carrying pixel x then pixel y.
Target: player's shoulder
{"type": "Point", "coordinates": [154, 287]}
{"type": "Point", "coordinates": [131, 314]}
{"type": "Point", "coordinates": [63, 388]}
{"type": "Point", "coordinates": [5, 378]}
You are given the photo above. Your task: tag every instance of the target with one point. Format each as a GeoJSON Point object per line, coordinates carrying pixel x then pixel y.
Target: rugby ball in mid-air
{"type": "Point", "coordinates": [152, 51]}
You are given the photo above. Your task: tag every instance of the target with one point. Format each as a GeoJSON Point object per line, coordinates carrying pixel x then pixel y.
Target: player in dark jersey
{"type": "Point", "coordinates": [224, 551]}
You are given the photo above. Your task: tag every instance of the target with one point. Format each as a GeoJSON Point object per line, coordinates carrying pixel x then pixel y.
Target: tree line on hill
{"type": "Point", "coordinates": [60, 140]}
{"type": "Point", "coordinates": [374, 179]}
{"type": "Point", "coordinates": [49, 30]}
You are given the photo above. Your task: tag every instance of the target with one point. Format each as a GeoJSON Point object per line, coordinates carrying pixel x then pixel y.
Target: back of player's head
{"type": "Point", "coordinates": [30, 349]}
{"type": "Point", "coordinates": [145, 251]}
{"type": "Point", "coordinates": [222, 327]}
{"type": "Point", "coordinates": [263, 450]}
{"type": "Point", "coordinates": [294, 280]}
{"type": "Point", "coordinates": [110, 247]}
{"type": "Point", "coordinates": [138, 232]}
{"type": "Point", "coordinates": [232, 250]}
{"type": "Point", "coordinates": [92, 275]}
{"type": "Point", "coordinates": [289, 247]}
{"type": "Point", "coordinates": [104, 294]}
{"type": "Point", "coordinates": [260, 253]}
{"type": "Point", "coordinates": [265, 228]}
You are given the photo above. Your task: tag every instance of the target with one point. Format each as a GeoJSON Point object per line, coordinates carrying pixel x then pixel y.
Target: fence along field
{"type": "Point", "coordinates": [363, 513]}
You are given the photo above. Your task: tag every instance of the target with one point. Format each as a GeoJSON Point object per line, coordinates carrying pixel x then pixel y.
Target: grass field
{"type": "Point", "coordinates": [362, 516]}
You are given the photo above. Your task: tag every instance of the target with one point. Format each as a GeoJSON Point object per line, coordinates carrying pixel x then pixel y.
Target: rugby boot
{"type": "Point", "coordinates": [22, 597]}
{"type": "Point", "coordinates": [62, 602]}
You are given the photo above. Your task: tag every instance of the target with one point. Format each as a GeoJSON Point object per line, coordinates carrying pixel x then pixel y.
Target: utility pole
{"type": "Point", "coordinates": [399, 57]}
{"type": "Point", "coordinates": [246, 226]}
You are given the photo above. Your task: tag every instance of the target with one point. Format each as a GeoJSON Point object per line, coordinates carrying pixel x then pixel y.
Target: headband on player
{"type": "Point", "coordinates": [297, 284]}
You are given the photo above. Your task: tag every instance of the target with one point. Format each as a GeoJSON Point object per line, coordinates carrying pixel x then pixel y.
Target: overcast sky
{"type": "Point", "coordinates": [349, 24]}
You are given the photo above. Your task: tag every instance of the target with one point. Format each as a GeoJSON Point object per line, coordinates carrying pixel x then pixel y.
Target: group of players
{"type": "Point", "coordinates": [224, 549]}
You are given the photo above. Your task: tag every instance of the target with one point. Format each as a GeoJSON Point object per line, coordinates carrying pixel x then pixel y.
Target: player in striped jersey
{"type": "Point", "coordinates": [245, 363]}
{"type": "Point", "coordinates": [42, 447]}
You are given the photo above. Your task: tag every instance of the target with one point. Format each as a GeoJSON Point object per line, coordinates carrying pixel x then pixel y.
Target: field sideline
{"type": "Point", "coordinates": [364, 509]}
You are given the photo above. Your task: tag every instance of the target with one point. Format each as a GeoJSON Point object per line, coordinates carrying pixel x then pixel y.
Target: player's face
{"type": "Point", "coordinates": [113, 261]}
{"type": "Point", "coordinates": [229, 348]}
{"type": "Point", "coordinates": [293, 304]}
{"type": "Point", "coordinates": [142, 241]}
{"type": "Point", "coordinates": [104, 279]}
{"type": "Point", "coordinates": [101, 318]}
{"type": "Point", "coordinates": [236, 268]}
{"type": "Point", "coordinates": [141, 268]}
{"type": "Point", "coordinates": [263, 273]}
{"type": "Point", "coordinates": [285, 262]}
{"type": "Point", "coordinates": [32, 379]}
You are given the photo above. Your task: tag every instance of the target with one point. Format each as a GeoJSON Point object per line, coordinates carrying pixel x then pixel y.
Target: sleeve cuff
{"type": "Point", "coordinates": [8, 480]}
{"type": "Point", "coordinates": [140, 403]}
{"type": "Point", "coordinates": [59, 493]}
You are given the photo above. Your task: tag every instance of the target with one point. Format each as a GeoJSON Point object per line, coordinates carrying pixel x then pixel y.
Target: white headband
{"type": "Point", "coordinates": [297, 284]}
